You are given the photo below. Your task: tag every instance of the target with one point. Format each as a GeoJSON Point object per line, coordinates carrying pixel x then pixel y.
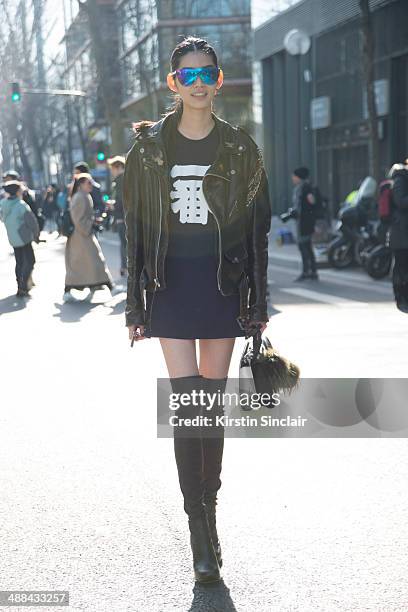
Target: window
{"type": "Point", "coordinates": [230, 42]}
{"type": "Point", "coordinates": [172, 9]}
{"type": "Point", "coordinates": [136, 18]}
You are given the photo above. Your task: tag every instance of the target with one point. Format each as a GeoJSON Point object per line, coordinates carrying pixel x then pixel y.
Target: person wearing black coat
{"type": "Point", "coordinates": [399, 235]}
{"type": "Point", "coordinates": [304, 207]}
{"type": "Point", "coordinates": [117, 166]}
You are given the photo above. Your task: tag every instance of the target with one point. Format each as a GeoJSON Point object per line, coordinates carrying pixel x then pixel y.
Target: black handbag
{"type": "Point", "coordinates": [263, 370]}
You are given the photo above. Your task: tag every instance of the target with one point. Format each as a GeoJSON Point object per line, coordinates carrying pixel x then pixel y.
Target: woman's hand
{"type": "Point", "coordinates": [136, 332]}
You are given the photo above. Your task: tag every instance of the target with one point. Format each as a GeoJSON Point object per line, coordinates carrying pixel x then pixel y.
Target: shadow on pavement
{"type": "Point", "coordinates": [212, 598]}
{"type": "Point", "coordinates": [11, 303]}
{"type": "Point", "coordinates": [73, 312]}
{"type": "Point", "coordinates": [118, 308]}
{"type": "Point", "coordinates": [274, 311]}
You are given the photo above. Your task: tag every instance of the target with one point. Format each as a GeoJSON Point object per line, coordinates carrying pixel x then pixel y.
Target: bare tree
{"type": "Point", "coordinates": [109, 82]}
{"type": "Point", "coordinates": [21, 61]}
{"type": "Point", "coordinates": [368, 70]}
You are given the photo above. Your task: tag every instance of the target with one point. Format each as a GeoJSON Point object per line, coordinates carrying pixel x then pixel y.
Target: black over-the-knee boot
{"type": "Point", "coordinates": [213, 448]}
{"type": "Point", "coordinates": [188, 452]}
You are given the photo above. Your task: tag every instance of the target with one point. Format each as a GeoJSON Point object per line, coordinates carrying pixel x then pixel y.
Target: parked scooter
{"type": "Point", "coordinates": [356, 229]}
{"type": "Point", "coordinates": [379, 261]}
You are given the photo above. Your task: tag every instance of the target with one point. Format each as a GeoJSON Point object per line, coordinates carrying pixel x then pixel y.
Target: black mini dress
{"type": "Point", "coordinates": [191, 305]}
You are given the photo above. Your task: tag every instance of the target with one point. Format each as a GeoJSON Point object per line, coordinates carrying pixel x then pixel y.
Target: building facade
{"type": "Point", "coordinates": [150, 29]}
{"type": "Point", "coordinates": [314, 105]}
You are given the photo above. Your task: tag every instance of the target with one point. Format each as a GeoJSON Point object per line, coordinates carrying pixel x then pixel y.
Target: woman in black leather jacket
{"type": "Point", "coordinates": [196, 291]}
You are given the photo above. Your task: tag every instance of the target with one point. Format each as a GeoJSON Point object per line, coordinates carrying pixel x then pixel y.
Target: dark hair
{"type": "Point", "coordinates": [81, 178]}
{"type": "Point", "coordinates": [82, 167]}
{"type": "Point", "coordinates": [302, 173]}
{"type": "Point", "coordinates": [188, 45]}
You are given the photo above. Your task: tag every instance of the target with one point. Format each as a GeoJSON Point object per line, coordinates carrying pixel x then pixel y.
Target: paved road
{"type": "Point", "coordinates": [89, 496]}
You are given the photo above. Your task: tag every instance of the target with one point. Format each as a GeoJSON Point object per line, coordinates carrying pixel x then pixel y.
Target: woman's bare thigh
{"type": "Point", "coordinates": [215, 356]}
{"type": "Point", "coordinates": [181, 357]}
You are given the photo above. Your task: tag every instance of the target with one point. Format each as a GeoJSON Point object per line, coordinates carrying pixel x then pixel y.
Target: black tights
{"type": "Point", "coordinates": [198, 450]}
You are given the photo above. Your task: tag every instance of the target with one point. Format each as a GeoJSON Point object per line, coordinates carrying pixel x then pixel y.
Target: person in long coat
{"type": "Point", "coordinates": [84, 261]}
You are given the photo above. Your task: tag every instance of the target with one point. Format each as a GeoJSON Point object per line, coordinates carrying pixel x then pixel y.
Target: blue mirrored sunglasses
{"type": "Point", "coordinates": [187, 76]}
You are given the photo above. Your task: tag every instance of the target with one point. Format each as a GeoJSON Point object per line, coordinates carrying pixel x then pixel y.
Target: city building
{"type": "Point", "coordinates": [314, 104]}
{"type": "Point", "coordinates": [149, 30]}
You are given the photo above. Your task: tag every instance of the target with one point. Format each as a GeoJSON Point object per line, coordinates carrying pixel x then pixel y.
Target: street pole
{"type": "Point", "coordinates": [39, 41]}
{"type": "Point", "coordinates": [67, 106]}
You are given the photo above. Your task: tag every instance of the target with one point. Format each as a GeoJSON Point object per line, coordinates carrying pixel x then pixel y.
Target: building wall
{"type": "Point", "coordinates": [338, 154]}
{"type": "Point", "coordinates": [150, 31]}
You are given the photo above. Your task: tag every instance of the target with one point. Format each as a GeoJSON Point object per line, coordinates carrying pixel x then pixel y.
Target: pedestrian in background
{"type": "Point", "coordinates": [117, 167]}
{"type": "Point", "coordinates": [22, 229]}
{"type": "Point", "coordinates": [84, 261]}
{"type": "Point", "coordinates": [96, 193]}
{"type": "Point", "coordinates": [304, 202]}
{"type": "Point", "coordinates": [399, 234]}
{"type": "Point", "coordinates": [62, 203]}
{"type": "Point", "coordinates": [28, 196]}
{"type": "Point", "coordinates": [49, 207]}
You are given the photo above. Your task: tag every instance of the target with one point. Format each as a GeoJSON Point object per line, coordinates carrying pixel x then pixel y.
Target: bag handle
{"type": "Point", "coordinates": [256, 343]}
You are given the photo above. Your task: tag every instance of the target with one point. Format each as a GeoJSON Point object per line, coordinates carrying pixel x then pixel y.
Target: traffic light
{"type": "Point", "coordinates": [100, 156]}
{"type": "Point", "coordinates": [15, 92]}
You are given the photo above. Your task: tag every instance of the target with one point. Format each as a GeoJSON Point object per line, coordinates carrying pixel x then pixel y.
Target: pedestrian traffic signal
{"type": "Point", "coordinates": [100, 156]}
{"type": "Point", "coordinates": [15, 92]}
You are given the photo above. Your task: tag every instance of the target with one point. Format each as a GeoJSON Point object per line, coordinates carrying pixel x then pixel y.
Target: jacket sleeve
{"type": "Point", "coordinates": [400, 193]}
{"type": "Point", "coordinates": [134, 311]}
{"type": "Point", "coordinates": [259, 222]}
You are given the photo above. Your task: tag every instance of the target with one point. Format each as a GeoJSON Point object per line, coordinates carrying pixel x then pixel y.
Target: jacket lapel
{"type": "Point", "coordinates": [155, 136]}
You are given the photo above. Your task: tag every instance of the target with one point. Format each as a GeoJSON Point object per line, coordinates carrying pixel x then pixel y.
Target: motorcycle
{"type": "Point", "coordinates": [356, 229]}
{"type": "Point", "coordinates": [379, 261]}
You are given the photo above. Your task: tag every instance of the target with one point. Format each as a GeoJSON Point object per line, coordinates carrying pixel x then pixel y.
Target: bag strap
{"type": "Point", "coordinates": [256, 344]}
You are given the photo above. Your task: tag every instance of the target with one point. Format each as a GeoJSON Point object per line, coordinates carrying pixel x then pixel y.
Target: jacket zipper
{"type": "Point", "coordinates": [156, 280]}
{"type": "Point", "coordinates": [232, 209]}
{"type": "Point", "coordinates": [219, 230]}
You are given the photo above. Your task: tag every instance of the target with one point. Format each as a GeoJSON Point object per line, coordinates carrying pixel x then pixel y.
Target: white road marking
{"type": "Point", "coordinates": [357, 282]}
{"type": "Point", "coordinates": [325, 297]}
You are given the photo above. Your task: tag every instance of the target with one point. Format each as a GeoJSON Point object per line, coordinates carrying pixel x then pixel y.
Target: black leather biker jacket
{"type": "Point", "coordinates": [236, 190]}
